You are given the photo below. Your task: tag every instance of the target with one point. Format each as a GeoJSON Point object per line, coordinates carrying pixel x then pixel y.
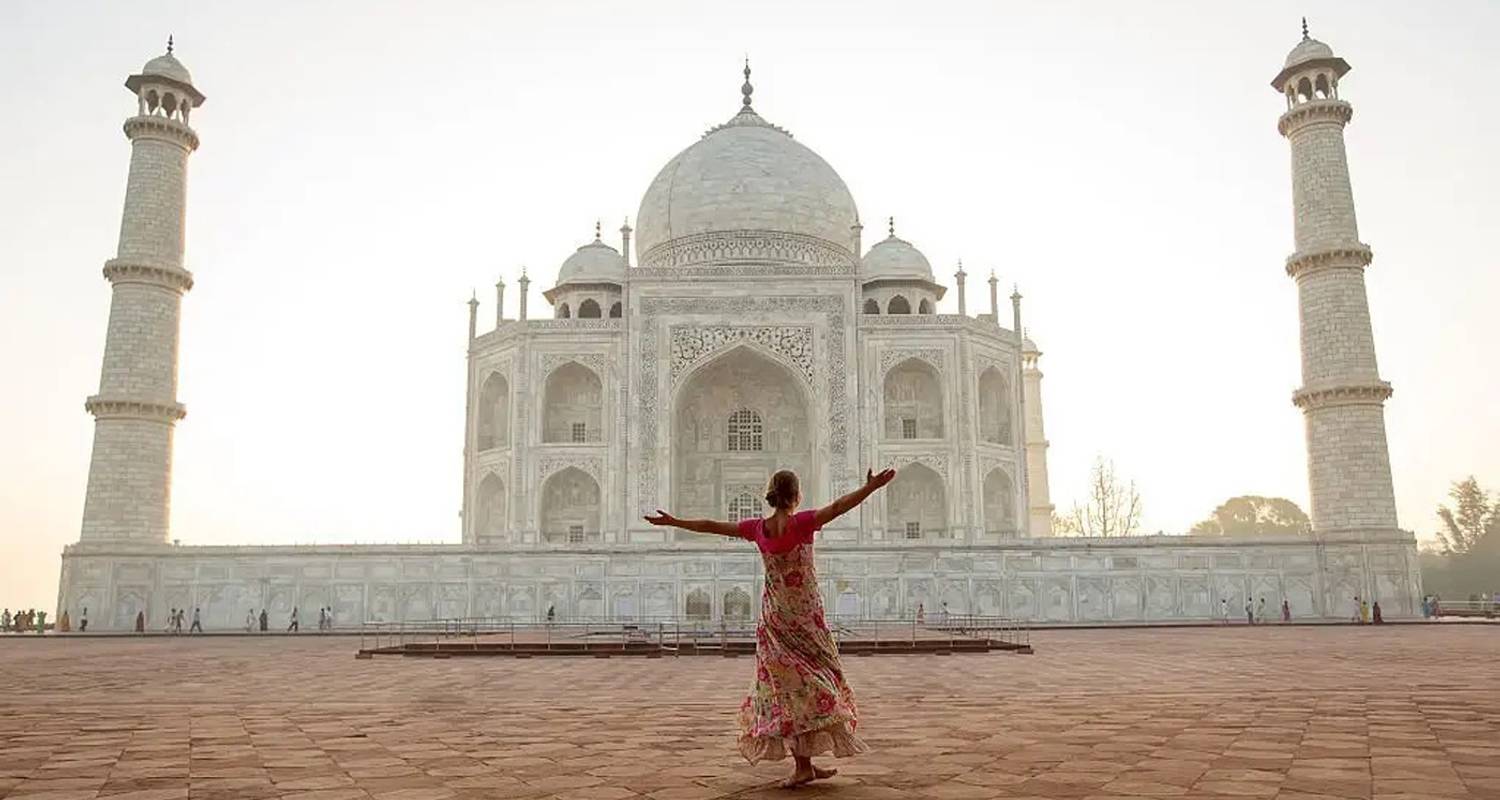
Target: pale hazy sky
{"type": "Point", "coordinates": [364, 164]}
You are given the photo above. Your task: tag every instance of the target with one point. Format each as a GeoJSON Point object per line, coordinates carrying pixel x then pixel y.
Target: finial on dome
{"type": "Point", "coordinates": [169, 44]}
{"type": "Point", "coordinates": [747, 89]}
{"type": "Point", "coordinates": [1305, 37]}
{"type": "Point", "coordinates": [890, 225]}
{"type": "Point", "coordinates": [596, 230]}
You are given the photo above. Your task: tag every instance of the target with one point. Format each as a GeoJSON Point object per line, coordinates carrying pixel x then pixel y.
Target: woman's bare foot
{"type": "Point", "coordinates": [807, 774]}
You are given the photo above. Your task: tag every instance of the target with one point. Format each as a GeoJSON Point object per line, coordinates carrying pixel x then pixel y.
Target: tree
{"type": "Point", "coordinates": [1253, 515]}
{"type": "Point", "coordinates": [1477, 517]}
{"type": "Point", "coordinates": [1113, 507]}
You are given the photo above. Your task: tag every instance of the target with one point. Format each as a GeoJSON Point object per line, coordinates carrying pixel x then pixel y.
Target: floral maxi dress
{"type": "Point", "coordinates": [800, 704]}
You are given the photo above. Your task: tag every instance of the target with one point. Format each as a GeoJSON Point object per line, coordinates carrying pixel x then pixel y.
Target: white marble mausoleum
{"type": "Point", "coordinates": [755, 331]}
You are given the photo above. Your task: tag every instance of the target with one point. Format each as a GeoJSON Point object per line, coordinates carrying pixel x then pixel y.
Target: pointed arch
{"type": "Point", "coordinates": [589, 309]}
{"type": "Point", "coordinates": [871, 307]}
{"type": "Point", "coordinates": [563, 312]}
{"type": "Point", "coordinates": [1000, 504]}
{"type": "Point", "coordinates": [924, 306]}
{"type": "Point", "coordinates": [572, 405]}
{"type": "Point", "coordinates": [995, 410]}
{"type": "Point", "coordinates": [916, 504]}
{"type": "Point", "coordinates": [569, 508]}
{"type": "Point", "coordinates": [490, 521]}
{"type": "Point", "coordinates": [616, 310]}
{"type": "Point", "coordinates": [737, 604]}
{"type": "Point", "coordinates": [699, 605]}
{"type": "Point", "coordinates": [713, 436]}
{"type": "Point", "coordinates": [898, 305]}
{"type": "Point", "coordinates": [493, 423]}
{"type": "Point", "coordinates": [913, 401]}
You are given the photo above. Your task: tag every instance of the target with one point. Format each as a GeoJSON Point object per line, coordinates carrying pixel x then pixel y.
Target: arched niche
{"type": "Point", "coordinates": [616, 310]}
{"type": "Point", "coordinates": [1000, 504]}
{"type": "Point", "coordinates": [490, 522]}
{"type": "Point", "coordinates": [916, 504]}
{"type": "Point", "coordinates": [699, 605]}
{"type": "Point", "coordinates": [871, 306]}
{"type": "Point", "coordinates": [737, 604]}
{"type": "Point", "coordinates": [995, 408]}
{"type": "Point", "coordinates": [898, 305]}
{"type": "Point", "coordinates": [569, 512]}
{"type": "Point", "coordinates": [913, 401]}
{"type": "Point", "coordinates": [573, 405]}
{"type": "Point", "coordinates": [589, 309]}
{"type": "Point", "coordinates": [924, 306]}
{"type": "Point", "coordinates": [563, 312]}
{"type": "Point", "coordinates": [494, 412]}
{"type": "Point", "coordinates": [718, 454]}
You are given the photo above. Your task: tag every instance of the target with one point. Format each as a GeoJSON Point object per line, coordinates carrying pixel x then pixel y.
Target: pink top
{"type": "Point", "coordinates": [798, 532]}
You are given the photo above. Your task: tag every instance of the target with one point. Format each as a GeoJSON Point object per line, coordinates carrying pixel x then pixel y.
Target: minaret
{"type": "Point", "coordinates": [994, 297]}
{"type": "Point", "coordinates": [499, 302]}
{"type": "Point", "coordinates": [1342, 396]}
{"type": "Point", "coordinates": [625, 231]}
{"type": "Point", "coordinates": [525, 290]}
{"type": "Point", "coordinates": [136, 409]}
{"type": "Point", "coordinates": [1039, 493]}
{"type": "Point", "coordinates": [958, 280]}
{"type": "Point", "coordinates": [1024, 462]}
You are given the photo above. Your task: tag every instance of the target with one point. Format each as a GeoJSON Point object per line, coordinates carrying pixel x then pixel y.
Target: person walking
{"type": "Point", "coordinates": [140, 622]}
{"type": "Point", "coordinates": [1364, 612]}
{"type": "Point", "coordinates": [5, 621]}
{"type": "Point", "coordinates": [1376, 610]}
{"type": "Point", "coordinates": [1224, 610]}
{"type": "Point", "coordinates": [1359, 614]}
{"type": "Point", "coordinates": [41, 622]}
{"type": "Point", "coordinates": [1250, 611]}
{"type": "Point", "coordinates": [799, 703]}
{"type": "Point", "coordinates": [1260, 612]}
{"type": "Point", "coordinates": [83, 620]}
{"type": "Point", "coordinates": [1286, 610]}
{"type": "Point", "coordinates": [921, 615]}
{"type": "Point", "coordinates": [197, 623]}
{"type": "Point", "coordinates": [292, 626]}
{"type": "Point", "coordinates": [64, 624]}
{"type": "Point", "coordinates": [250, 621]}
{"type": "Point", "coordinates": [265, 621]}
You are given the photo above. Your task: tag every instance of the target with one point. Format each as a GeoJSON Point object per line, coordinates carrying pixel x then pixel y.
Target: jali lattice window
{"type": "Point", "coordinates": [575, 534]}
{"type": "Point", "coordinates": [743, 506]}
{"type": "Point", "coordinates": [913, 530]}
{"type": "Point", "coordinates": [746, 431]}
{"type": "Point", "coordinates": [908, 428]}
{"type": "Point", "coordinates": [580, 431]}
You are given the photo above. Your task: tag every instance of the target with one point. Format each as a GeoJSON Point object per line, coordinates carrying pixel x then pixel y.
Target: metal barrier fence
{"type": "Point", "coordinates": [669, 634]}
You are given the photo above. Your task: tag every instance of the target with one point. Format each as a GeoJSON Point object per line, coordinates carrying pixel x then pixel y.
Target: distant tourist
{"type": "Point", "coordinates": [921, 617]}
{"type": "Point", "coordinates": [1286, 611]}
{"type": "Point", "coordinates": [1359, 610]}
{"type": "Point", "coordinates": [1260, 612]}
{"type": "Point", "coordinates": [1250, 611]}
{"type": "Point", "coordinates": [140, 622]}
{"type": "Point", "coordinates": [250, 621]}
{"type": "Point", "coordinates": [1364, 612]}
{"type": "Point", "coordinates": [551, 614]}
{"type": "Point", "coordinates": [63, 623]}
{"type": "Point", "coordinates": [41, 621]}
{"type": "Point", "coordinates": [171, 620]}
{"type": "Point", "coordinates": [1376, 610]}
{"type": "Point", "coordinates": [265, 621]}
{"type": "Point", "coordinates": [816, 713]}
{"type": "Point", "coordinates": [292, 626]}
{"type": "Point", "coordinates": [1224, 610]}
{"type": "Point", "coordinates": [1437, 606]}
{"type": "Point", "coordinates": [5, 621]}
{"type": "Point", "coordinates": [197, 623]}
{"type": "Point", "coordinates": [83, 620]}
{"type": "Point", "coordinates": [943, 612]}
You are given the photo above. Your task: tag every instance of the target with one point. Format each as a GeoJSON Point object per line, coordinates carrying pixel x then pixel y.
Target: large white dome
{"type": "Point", "coordinates": [747, 192]}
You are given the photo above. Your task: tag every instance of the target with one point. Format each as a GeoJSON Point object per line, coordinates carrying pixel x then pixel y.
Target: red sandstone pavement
{"type": "Point", "coordinates": [1352, 712]}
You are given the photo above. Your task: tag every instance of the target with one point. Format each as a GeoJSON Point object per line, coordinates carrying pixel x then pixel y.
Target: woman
{"type": "Point", "coordinates": [799, 703]}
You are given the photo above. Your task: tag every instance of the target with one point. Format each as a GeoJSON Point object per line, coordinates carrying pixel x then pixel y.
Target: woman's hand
{"type": "Point", "coordinates": [874, 481]}
{"type": "Point", "coordinates": [662, 518]}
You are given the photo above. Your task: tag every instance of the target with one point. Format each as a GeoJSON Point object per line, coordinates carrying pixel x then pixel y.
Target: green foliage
{"type": "Point", "coordinates": [1467, 561]}
{"type": "Point", "coordinates": [1475, 518]}
{"type": "Point", "coordinates": [1253, 515]}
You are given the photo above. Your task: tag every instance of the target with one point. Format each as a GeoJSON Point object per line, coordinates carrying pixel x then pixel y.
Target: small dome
{"type": "Point", "coordinates": [167, 66]}
{"type": "Point", "coordinates": [896, 259]}
{"type": "Point", "coordinates": [595, 262]}
{"type": "Point", "coordinates": [1028, 346]}
{"type": "Point", "coordinates": [1307, 50]}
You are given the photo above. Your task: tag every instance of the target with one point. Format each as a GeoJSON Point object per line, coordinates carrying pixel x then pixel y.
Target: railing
{"type": "Point", "coordinates": [1484, 609]}
{"type": "Point", "coordinates": [673, 634]}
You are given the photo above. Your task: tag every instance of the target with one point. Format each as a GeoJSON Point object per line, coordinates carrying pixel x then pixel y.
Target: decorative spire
{"type": "Point", "coordinates": [747, 89]}
{"type": "Point", "coordinates": [473, 297]}
{"type": "Point", "coordinates": [1015, 292]}
{"type": "Point", "coordinates": [890, 226]}
{"type": "Point", "coordinates": [169, 44]}
{"type": "Point", "coordinates": [1304, 29]}
{"type": "Point", "coordinates": [960, 272]}
{"type": "Point", "coordinates": [596, 230]}
{"type": "Point", "coordinates": [993, 279]}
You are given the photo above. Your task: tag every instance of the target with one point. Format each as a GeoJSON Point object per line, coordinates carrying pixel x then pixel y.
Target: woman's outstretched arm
{"type": "Point", "coordinates": [695, 525]}
{"type": "Point", "coordinates": [847, 503]}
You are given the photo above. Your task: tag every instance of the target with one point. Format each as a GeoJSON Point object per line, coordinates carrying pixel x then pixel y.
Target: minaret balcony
{"type": "Point", "coordinates": [1314, 111]}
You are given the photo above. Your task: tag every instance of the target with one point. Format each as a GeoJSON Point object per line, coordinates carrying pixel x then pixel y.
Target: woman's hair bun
{"type": "Point", "coordinates": [783, 490]}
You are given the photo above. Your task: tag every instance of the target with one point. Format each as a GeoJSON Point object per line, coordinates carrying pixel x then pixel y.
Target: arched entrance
{"type": "Point", "coordinates": [736, 420]}
{"type": "Point", "coordinates": [570, 508]}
